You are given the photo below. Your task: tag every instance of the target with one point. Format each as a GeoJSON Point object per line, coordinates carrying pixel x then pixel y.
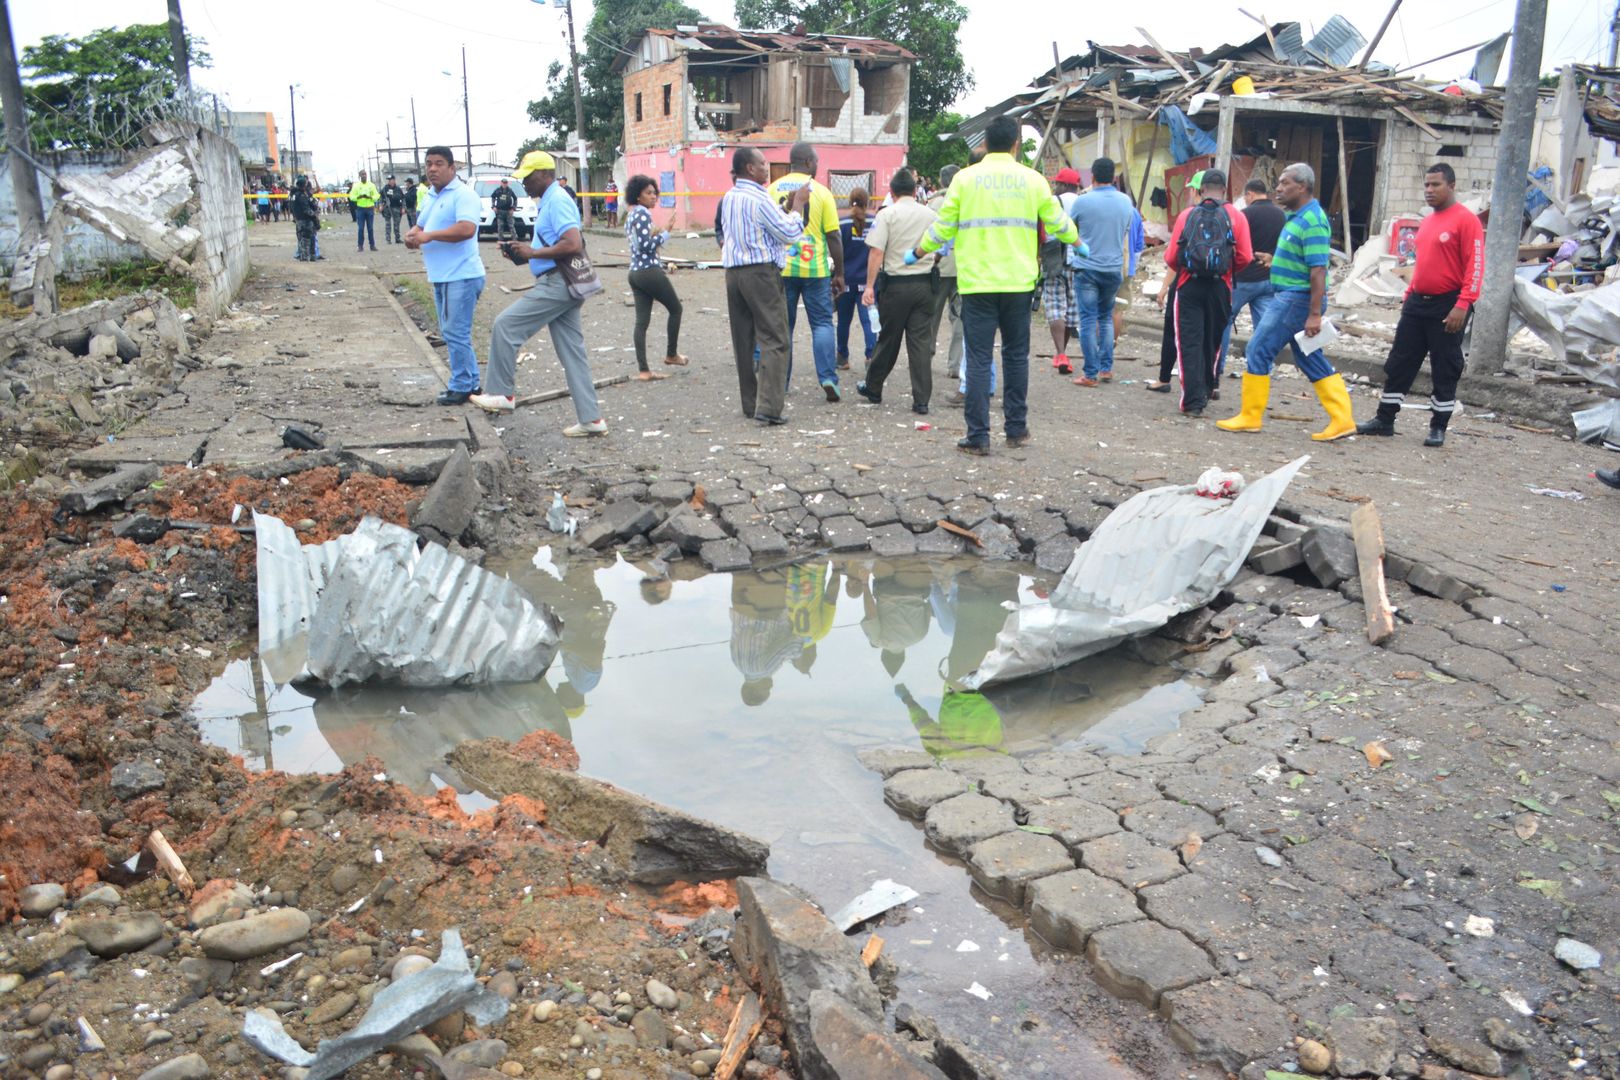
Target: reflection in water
{"type": "Point", "coordinates": [745, 699]}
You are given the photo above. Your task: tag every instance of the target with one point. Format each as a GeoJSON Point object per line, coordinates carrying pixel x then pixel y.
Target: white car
{"type": "Point", "coordinates": [522, 215]}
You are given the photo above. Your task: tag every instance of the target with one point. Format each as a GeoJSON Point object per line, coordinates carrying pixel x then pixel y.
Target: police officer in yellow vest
{"type": "Point", "coordinates": [994, 211]}
{"type": "Point", "coordinates": [363, 197]}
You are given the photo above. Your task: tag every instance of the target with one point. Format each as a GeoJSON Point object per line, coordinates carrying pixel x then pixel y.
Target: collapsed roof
{"type": "Point", "coordinates": [723, 40]}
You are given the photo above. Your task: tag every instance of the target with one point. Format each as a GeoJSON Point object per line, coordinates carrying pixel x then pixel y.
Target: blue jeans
{"type": "Point", "coordinates": [454, 302]}
{"type": "Point", "coordinates": [1284, 318]}
{"type": "Point", "coordinates": [818, 304]}
{"type": "Point", "coordinates": [850, 309]}
{"type": "Point", "coordinates": [1258, 295]}
{"type": "Point", "coordinates": [983, 314]}
{"type": "Point", "coordinates": [363, 218]}
{"type": "Point", "coordinates": [1094, 292]}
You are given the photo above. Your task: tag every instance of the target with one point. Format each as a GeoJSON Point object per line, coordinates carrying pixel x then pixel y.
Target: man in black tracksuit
{"type": "Point", "coordinates": [504, 201]}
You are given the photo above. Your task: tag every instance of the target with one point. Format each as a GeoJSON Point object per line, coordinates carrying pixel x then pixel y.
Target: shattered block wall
{"type": "Point", "coordinates": [86, 247]}
{"type": "Point", "coordinates": [222, 259]}
{"type": "Point", "coordinates": [1470, 153]}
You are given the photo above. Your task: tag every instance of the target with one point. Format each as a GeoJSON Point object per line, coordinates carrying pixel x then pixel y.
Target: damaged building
{"type": "Point", "coordinates": [693, 94]}
{"type": "Point", "coordinates": [1252, 108]}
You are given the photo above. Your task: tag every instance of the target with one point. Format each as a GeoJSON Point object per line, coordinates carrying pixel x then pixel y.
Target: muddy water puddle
{"type": "Point", "coordinates": [745, 698]}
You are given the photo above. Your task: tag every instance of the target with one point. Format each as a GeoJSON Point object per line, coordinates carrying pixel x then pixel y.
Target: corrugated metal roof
{"type": "Point", "coordinates": [1337, 43]}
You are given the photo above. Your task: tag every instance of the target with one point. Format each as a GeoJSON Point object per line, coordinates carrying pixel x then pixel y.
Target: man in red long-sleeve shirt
{"type": "Point", "coordinates": [1445, 287]}
{"type": "Point", "coordinates": [1203, 299]}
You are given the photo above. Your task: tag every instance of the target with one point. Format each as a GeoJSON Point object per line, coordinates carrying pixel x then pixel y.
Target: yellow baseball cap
{"type": "Point", "coordinates": [534, 161]}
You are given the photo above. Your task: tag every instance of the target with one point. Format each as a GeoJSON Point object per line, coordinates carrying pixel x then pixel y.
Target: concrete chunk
{"type": "Point", "coordinates": [850, 1044]}
{"type": "Point", "coordinates": [1330, 554]}
{"type": "Point", "coordinates": [688, 528]}
{"type": "Point", "coordinates": [449, 506]}
{"type": "Point", "coordinates": [114, 487]}
{"type": "Point", "coordinates": [1274, 558]}
{"type": "Point", "coordinates": [1225, 1023]}
{"type": "Point", "coordinates": [724, 556]}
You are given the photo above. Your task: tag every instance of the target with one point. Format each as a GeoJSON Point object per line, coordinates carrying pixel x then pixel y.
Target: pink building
{"type": "Point", "coordinates": [693, 94]}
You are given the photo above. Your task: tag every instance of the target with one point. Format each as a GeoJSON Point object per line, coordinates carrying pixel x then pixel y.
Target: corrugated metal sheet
{"type": "Point", "coordinates": [1161, 553]}
{"type": "Point", "coordinates": [1337, 43]}
{"type": "Point", "coordinates": [369, 605]}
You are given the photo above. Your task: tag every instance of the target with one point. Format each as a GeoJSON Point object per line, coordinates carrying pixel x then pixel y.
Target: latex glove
{"type": "Point", "coordinates": [910, 258]}
{"type": "Point", "coordinates": [1082, 249]}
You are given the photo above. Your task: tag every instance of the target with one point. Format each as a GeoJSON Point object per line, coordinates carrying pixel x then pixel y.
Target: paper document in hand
{"type": "Point", "coordinates": [1324, 337]}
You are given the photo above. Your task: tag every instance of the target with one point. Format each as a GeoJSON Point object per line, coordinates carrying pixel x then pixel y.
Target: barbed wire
{"type": "Point", "coordinates": [115, 122]}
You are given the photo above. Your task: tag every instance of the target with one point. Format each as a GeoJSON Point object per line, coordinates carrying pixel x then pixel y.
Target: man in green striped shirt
{"type": "Point", "coordinates": [1299, 280]}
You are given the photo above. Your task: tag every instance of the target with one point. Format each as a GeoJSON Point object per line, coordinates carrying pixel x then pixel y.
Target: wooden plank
{"type": "Point", "coordinates": [553, 395]}
{"type": "Point", "coordinates": [1418, 123]}
{"type": "Point", "coordinates": [1368, 533]}
{"type": "Point", "coordinates": [170, 863]}
{"type": "Point", "coordinates": [1147, 170]}
{"type": "Point", "coordinates": [1366, 56]}
{"type": "Point", "coordinates": [1168, 56]}
{"type": "Point", "coordinates": [966, 534]}
{"type": "Point", "coordinates": [1344, 195]}
{"type": "Point", "coordinates": [740, 1035]}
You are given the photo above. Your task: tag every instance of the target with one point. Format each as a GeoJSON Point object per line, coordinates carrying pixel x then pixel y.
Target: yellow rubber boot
{"type": "Point", "coordinates": [1335, 399]}
{"type": "Point", "coordinates": [1256, 392]}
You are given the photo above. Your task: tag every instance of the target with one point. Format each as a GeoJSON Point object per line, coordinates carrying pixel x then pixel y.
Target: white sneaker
{"type": "Point", "coordinates": [580, 431]}
{"type": "Point", "coordinates": [493, 403]}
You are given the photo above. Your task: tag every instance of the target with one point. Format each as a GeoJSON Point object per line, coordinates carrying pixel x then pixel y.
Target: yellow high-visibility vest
{"type": "Point", "coordinates": [992, 211]}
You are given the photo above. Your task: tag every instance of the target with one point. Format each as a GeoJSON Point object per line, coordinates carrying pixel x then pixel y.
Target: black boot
{"type": "Point", "coordinates": [1437, 430]}
{"type": "Point", "coordinates": [1382, 424]}
{"type": "Point", "coordinates": [1611, 477]}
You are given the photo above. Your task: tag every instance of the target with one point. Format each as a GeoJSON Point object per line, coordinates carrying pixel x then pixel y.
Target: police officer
{"type": "Point", "coordinates": [991, 212]}
{"type": "Point", "coordinates": [504, 201]}
{"type": "Point", "coordinates": [410, 193]}
{"type": "Point", "coordinates": [393, 205]}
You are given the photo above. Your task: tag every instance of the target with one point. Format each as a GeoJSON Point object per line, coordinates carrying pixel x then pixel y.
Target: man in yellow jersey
{"type": "Point", "coordinates": [812, 601]}
{"type": "Point", "coordinates": [993, 211]}
{"type": "Point", "coordinates": [815, 263]}
{"type": "Point", "coordinates": [363, 197]}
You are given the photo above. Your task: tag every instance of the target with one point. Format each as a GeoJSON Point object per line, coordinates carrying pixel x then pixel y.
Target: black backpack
{"type": "Point", "coordinates": [1207, 244]}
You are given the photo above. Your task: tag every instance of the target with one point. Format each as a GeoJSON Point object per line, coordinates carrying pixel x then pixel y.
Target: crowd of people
{"type": "Point", "coordinates": [901, 268]}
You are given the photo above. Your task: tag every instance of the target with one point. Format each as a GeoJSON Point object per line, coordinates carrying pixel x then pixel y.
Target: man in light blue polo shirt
{"type": "Point", "coordinates": [1104, 216]}
{"type": "Point", "coordinates": [548, 302]}
{"type": "Point", "coordinates": [446, 233]}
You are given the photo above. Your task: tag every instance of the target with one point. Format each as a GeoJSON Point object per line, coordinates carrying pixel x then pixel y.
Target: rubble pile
{"type": "Point", "coordinates": [86, 372]}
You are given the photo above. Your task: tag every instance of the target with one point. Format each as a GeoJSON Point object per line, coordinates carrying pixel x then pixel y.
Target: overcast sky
{"type": "Point", "coordinates": [359, 64]}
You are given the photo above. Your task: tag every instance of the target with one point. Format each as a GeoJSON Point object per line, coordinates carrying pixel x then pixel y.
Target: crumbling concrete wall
{"type": "Point", "coordinates": [1410, 153]}
{"type": "Point", "coordinates": [85, 246]}
{"type": "Point", "coordinates": [180, 201]}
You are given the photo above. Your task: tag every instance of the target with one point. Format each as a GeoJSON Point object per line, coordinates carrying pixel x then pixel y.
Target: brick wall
{"type": "Point", "coordinates": [655, 130]}
{"type": "Point", "coordinates": [1412, 152]}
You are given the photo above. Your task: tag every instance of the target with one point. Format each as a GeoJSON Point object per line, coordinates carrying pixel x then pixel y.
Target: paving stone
{"type": "Point", "coordinates": [1465, 1052]}
{"type": "Point", "coordinates": [688, 529]}
{"type": "Point", "coordinates": [633, 489]}
{"type": "Point", "coordinates": [776, 498]}
{"type": "Point", "coordinates": [1005, 866]}
{"type": "Point", "coordinates": [981, 766]}
{"type": "Point", "coordinates": [893, 541]}
{"type": "Point", "coordinates": [1212, 794]}
{"type": "Point", "coordinates": [1113, 789]}
{"type": "Point", "coordinates": [956, 824]}
{"type": "Point", "coordinates": [670, 492]}
{"type": "Point", "coordinates": [1023, 790]}
{"type": "Point", "coordinates": [762, 540]}
{"type": "Point", "coordinates": [620, 521]}
{"type": "Point", "coordinates": [1228, 1024]}
{"type": "Point", "coordinates": [855, 485]}
{"type": "Point", "coordinates": [945, 490]}
{"type": "Point", "coordinates": [1068, 764]}
{"type": "Point", "coordinates": [913, 791]}
{"type": "Point", "coordinates": [1383, 963]}
{"type": "Point", "coordinates": [742, 515]}
{"type": "Point", "coordinates": [827, 504]}
{"type": "Point", "coordinates": [888, 760]}
{"type": "Point", "coordinates": [1056, 553]}
{"type": "Point", "coordinates": [1200, 905]}
{"type": "Point", "coordinates": [1270, 732]}
{"type": "Point", "coordinates": [1074, 821]}
{"type": "Point", "coordinates": [1170, 823]}
{"type": "Point", "coordinates": [1274, 558]}
{"type": "Point", "coordinates": [1143, 960]}
{"type": "Point", "coordinates": [920, 515]}
{"type": "Point", "coordinates": [1344, 864]}
{"type": "Point", "coordinates": [810, 483]}
{"type": "Point", "coordinates": [875, 510]}
{"type": "Point", "coordinates": [1264, 589]}
{"type": "Point", "coordinates": [968, 511]}
{"type": "Point", "coordinates": [791, 522]}
{"type": "Point", "coordinates": [1066, 909]}
{"type": "Point", "coordinates": [1130, 860]}
{"type": "Point", "coordinates": [939, 542]}
{"type": "Point", "coordinates": [1330, 554]}
{"type": "Point", "coordinates": [727, 496]}
{"type": "Point", "coordinates": [1364, 1045]}
{"type": "Point", "coordinates": [724, 556]}
{"type": "Point", "coordinates": [1427, 579]}
{"type": "Point", "coordinates": [844, 534]}
{"type": "Point", "coordinates": [1034, 526]}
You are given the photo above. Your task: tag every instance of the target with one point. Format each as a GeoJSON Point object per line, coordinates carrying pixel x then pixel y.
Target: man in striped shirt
{"type": "Point", "coordinates": [753, 233]}
{"type": "Point", "coordinates": [1299, 280]}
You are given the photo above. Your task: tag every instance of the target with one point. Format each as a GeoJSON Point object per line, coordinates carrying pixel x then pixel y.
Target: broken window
{"type": "Point", "coordinates": [884, 88]}
{"type": "Point", "coordinates": [638, 108]}
{"type": "Point", "coordinates": [666, 99]}
{"type": "Point", "coordinates": [1451, 150]}
{"type": "Point", "coordinates": [842, 182]}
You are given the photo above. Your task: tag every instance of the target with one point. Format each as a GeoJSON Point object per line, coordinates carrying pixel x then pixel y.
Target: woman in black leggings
{"type": "Point", "coordinates": [647, 278]}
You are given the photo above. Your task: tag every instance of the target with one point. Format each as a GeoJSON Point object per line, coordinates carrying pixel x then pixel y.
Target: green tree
{"type": "Point", "coordinates": [929, 28]}
{"type": "Point", "coordinates": [601, 90]}
{"type": "Point", "coordinates": [97, 90]}
{"type": "Point", "coordinates": [928, 153]}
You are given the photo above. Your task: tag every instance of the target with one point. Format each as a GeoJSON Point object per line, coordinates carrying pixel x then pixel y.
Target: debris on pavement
{"type": "Point", "coordinates": [1164, 551]}
{"type": "Point", "coordinates": [406, 1006]}
{"type": "Point", "coordinates": [369, 605]}
{"type": "Point", "coordinates": [1577, 954]}
{"type": "Point", "coordinates": [1573, 496]}
{"type": "Point", "coordinates": [882, 896]}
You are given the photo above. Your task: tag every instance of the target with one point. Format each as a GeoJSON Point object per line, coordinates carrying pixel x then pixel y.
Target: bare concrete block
{"type": "Point", "coordinates": [958, 823]}
{"type": "Point", "coordinates": [1228, 1024]}
{"type": "Point", "coordinates": [913, 791]}
{"type": "Point", "coordinates": [114, 487]}
{"type": "Point", "coordinates": [1067, 908]}
{"type": "Point", "coordinates": [1005, 866]}
{"type": "Point", "coordinates": [1143, 961]}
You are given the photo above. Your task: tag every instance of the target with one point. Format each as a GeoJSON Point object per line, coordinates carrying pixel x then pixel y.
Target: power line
{"type": "Point", "coordinates": [457, 26]}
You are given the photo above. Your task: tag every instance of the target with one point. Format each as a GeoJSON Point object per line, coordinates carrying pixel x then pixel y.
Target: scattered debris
{"type": "Point", "coordinates": [1367, 530]}
{"type": "Point", "coordinates": [1577, 954]}
{"type": "Point", "coordinates": [882, 896]}
{"type": "Point", "coordinates": [1573, 496]}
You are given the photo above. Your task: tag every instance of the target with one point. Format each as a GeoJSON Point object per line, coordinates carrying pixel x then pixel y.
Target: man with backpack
{"type": "Point", "coordinates": [1209, 243]}
{"type": "Point", "coordinates": [1299, 284]}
